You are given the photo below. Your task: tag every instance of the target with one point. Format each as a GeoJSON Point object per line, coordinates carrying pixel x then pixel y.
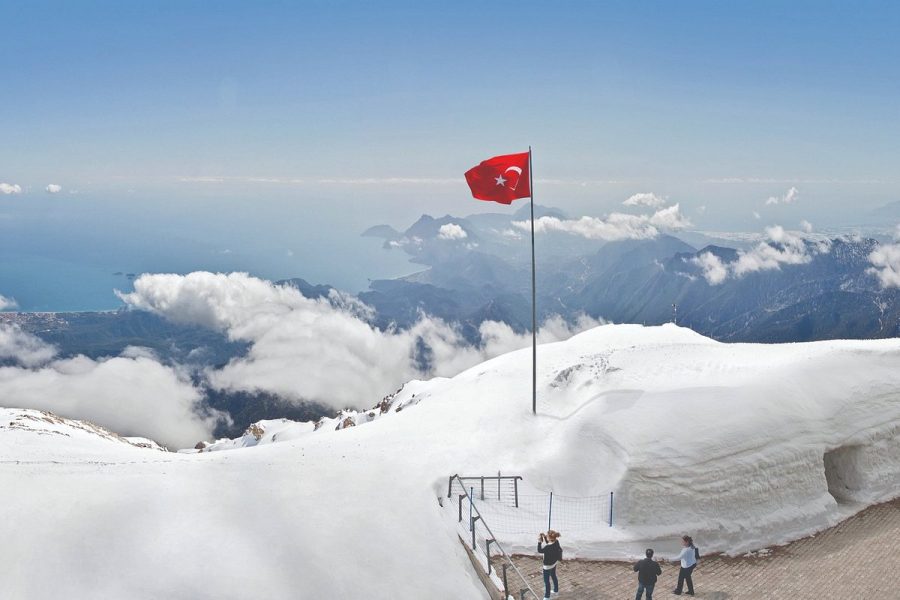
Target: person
{"type": "Point", "coordinates": [688, 558]}
{"type": "Point", "coordinates": [552, 556]}
{"type": "Point", "coordinates": [648, 570]}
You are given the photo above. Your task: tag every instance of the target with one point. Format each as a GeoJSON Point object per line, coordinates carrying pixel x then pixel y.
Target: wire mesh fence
{"type": "Point", "coordinates": [513, 512]}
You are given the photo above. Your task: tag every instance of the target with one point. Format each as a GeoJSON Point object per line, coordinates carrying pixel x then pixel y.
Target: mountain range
{"type": "Point", "coordinates": [477, 269]}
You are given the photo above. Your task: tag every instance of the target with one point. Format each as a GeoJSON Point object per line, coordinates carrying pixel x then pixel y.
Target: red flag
{"type": "Point", "coordinates": [501, 179]}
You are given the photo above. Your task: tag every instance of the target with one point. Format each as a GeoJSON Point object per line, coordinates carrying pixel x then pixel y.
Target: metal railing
{"type": "Point", "coordinates": [465, 500]}
{"type": "Point", "coordinates": [495, 487]}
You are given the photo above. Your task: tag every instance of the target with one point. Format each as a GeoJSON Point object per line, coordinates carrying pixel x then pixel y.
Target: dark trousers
{"type": "Point", "coordinates": [548, 575]}
{"type": "Point", "coordinates": [684, 575]}
{"type": "Point", "coordinates": [644, 588]}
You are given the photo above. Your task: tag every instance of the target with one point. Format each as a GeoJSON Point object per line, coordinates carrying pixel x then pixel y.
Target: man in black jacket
{"type": "Point", "coordinates": [648, 570]}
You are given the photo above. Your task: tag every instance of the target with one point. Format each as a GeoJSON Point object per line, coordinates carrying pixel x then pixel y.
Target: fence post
{"type": "Point", "coordinates": [516, 486]}
{"type": "Point", "coordinates": [461, 496]}
{"type": "Point", "coordinates": [487, 551]}
{"type": "Point", "coordinates": [505, 584]}
{"type": "Point", "coordinates": [550, 513]}
{"type": "Point", "coordinates": [498, 486]}
{"type": "Point", "coordinates": [471, 491]}
{"type": "Point", "coordinates": [450, 486]}
{"type": "Point", "coordinates": [610, 508]}
{"type": "Point", "coordinates": [472, 524]}
{"type": "Point", "coordinates": [482, 487]}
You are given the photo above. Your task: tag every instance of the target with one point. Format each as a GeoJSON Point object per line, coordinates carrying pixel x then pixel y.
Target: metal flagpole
{"type": "Point", "coordinates": [533, 296]}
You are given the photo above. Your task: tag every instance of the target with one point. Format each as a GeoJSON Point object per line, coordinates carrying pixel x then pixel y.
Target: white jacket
{"type": "Point", "coordinates": [688, 557]}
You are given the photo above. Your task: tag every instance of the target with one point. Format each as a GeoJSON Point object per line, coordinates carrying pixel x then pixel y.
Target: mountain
{"type": "Point", "coordinates": [385, 232]}
{"type": "Point", "coordinates": [98, 334]}
{"type": "Point", "coordinates": [482, 272]}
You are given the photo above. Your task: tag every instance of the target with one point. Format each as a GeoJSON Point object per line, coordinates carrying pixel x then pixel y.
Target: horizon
{"type": "Point", "coordinates": [308, 123]}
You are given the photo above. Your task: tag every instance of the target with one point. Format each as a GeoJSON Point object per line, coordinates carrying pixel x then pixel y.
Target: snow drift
{"type": "Point", "coordinates": [742, 445]}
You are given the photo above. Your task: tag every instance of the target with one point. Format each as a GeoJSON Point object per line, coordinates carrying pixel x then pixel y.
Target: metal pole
{"type": "Point", "coordinates": [550, 513]}
{"type": "Point", "coordinates": [461, 496]}
{"type": "Point", "coordinates": [516, 490]}
{"type": "Point", "coordinates": [471, 492]}
{"type": "Point", "coordinates": [482, 487]}
{"type": "Point", "coordinates": [487, 551]}
{"type": "Point", "coordinates": [533, 296]}
{"type": "Point", "coordinates": [610, 508]}
{"type": "Point", "coordinates": [505, 584]}
{"type": "Point", "coordinates": [498, 486]}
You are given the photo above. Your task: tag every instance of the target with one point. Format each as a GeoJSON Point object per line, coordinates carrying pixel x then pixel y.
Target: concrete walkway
{"type": "Point", "coordinates": [858, 559]}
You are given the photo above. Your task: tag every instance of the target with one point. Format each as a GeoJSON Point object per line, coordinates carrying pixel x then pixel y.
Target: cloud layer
{"type": "Point", "coordinates": [319, 349]}
{"type": "Point", "coordinates": [789, 197]}
{"type": "Point", "coordinates": [132, 394]}
{"type": "Point", "coordinates": [53, 188]}
{"type": "Point", "coordinates": [645, 199]}
{"type": "Point", "coordinates": [452, 231]}
{"type": "Point", "coordinates": [7, 303]}
{"type": "Point", "coordinates": [10, 188]}
{"type": "Point", "coordinates": [781, 247]}
{"type": "Point", "coordinates": [615, 226]}
{"type": "Point", "coordinates": [886, 265]}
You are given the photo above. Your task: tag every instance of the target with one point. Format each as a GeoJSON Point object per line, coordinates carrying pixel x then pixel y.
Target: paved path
{"type": "Point", "coordinates": [858, 559]}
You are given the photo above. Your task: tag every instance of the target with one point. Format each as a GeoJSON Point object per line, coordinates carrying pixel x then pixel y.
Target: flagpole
{"type": "Point", "coordinates": [533, 296]}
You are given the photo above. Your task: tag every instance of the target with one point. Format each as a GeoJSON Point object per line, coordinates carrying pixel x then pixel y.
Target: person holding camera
{"type": "Point", "coordinates": [552, 556]}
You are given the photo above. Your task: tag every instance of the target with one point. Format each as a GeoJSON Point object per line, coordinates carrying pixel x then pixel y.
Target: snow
{"type": "Point", "coordinates": [727, 442]}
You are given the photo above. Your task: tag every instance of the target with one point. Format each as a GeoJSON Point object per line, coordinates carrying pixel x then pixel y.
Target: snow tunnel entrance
{"type": "Point", "coordinates": [844, 472]}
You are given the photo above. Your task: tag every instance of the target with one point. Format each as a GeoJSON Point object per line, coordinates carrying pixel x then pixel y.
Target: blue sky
{"type": "Point", "coordinates": [353, 112]}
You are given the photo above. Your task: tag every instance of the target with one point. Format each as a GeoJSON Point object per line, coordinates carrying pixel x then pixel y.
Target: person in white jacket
{"type": "Point", "coordinates": [688, 559]}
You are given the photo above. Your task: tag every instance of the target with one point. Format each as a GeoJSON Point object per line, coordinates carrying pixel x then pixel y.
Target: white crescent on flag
{"type": "Point", "coordinates": [518, 171]}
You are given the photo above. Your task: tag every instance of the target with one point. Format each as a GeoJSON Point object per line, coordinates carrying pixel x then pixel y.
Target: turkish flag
{"type": "Point", "coordinates": [501, 179]}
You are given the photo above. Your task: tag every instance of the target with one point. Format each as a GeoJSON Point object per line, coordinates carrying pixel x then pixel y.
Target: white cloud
{"type": "Point", "coordinates": [23, 348]}
{"type": "Point", "coordinates": [132, 394]}
{"type": "Point", "coordinates": [645, 199]}
{"type": "Point", "coordinates": [53, 188]}
{"type": "Point", "coordinates": [714, 270]}
{"type": "Point", "coordinates": [792, 195]}
{"type": "Point", "coordinates": [669, 218]}
{"type": "Point", "coordinates": [886, 265]}
{"type": "Point", "coordinates": [7, 303]}
{"type": "Point", "coordinates": [756, 215]}
{"type": "Point", "coordinates": [615, 226]}
{"type": "Point", "coordinates": [316, 349]}
{"type": "Point", "coordinates": [10, 188]}
{"type": "Point", "coordinates": [780, 247]}
{"type": "Point", "coordinates": [806, 226]}
{"type": "Point", "coordinates": [452, 231]}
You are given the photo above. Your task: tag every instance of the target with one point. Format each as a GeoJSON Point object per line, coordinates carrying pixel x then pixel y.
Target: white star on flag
{"type": "Point", "coordinates": [500, 180]}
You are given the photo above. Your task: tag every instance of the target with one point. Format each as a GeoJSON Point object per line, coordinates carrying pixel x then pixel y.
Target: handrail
{"type": "Point", "coordinates": [495, 540]}
{"type": "Point", "coordinates": [514, 478]}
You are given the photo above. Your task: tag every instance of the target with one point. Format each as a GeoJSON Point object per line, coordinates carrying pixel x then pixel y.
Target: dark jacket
{"type": "Point", "coordinates": [648, 570]}
{"type": "Point", "coordinates": [552, 553]}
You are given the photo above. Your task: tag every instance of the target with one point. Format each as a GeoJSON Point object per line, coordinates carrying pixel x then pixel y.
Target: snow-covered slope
{"type": "Point", "coordinates": [729, 442]}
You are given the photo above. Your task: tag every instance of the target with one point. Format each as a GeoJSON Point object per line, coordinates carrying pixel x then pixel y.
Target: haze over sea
{"type": "Point", "coordinates": [68, 253]}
